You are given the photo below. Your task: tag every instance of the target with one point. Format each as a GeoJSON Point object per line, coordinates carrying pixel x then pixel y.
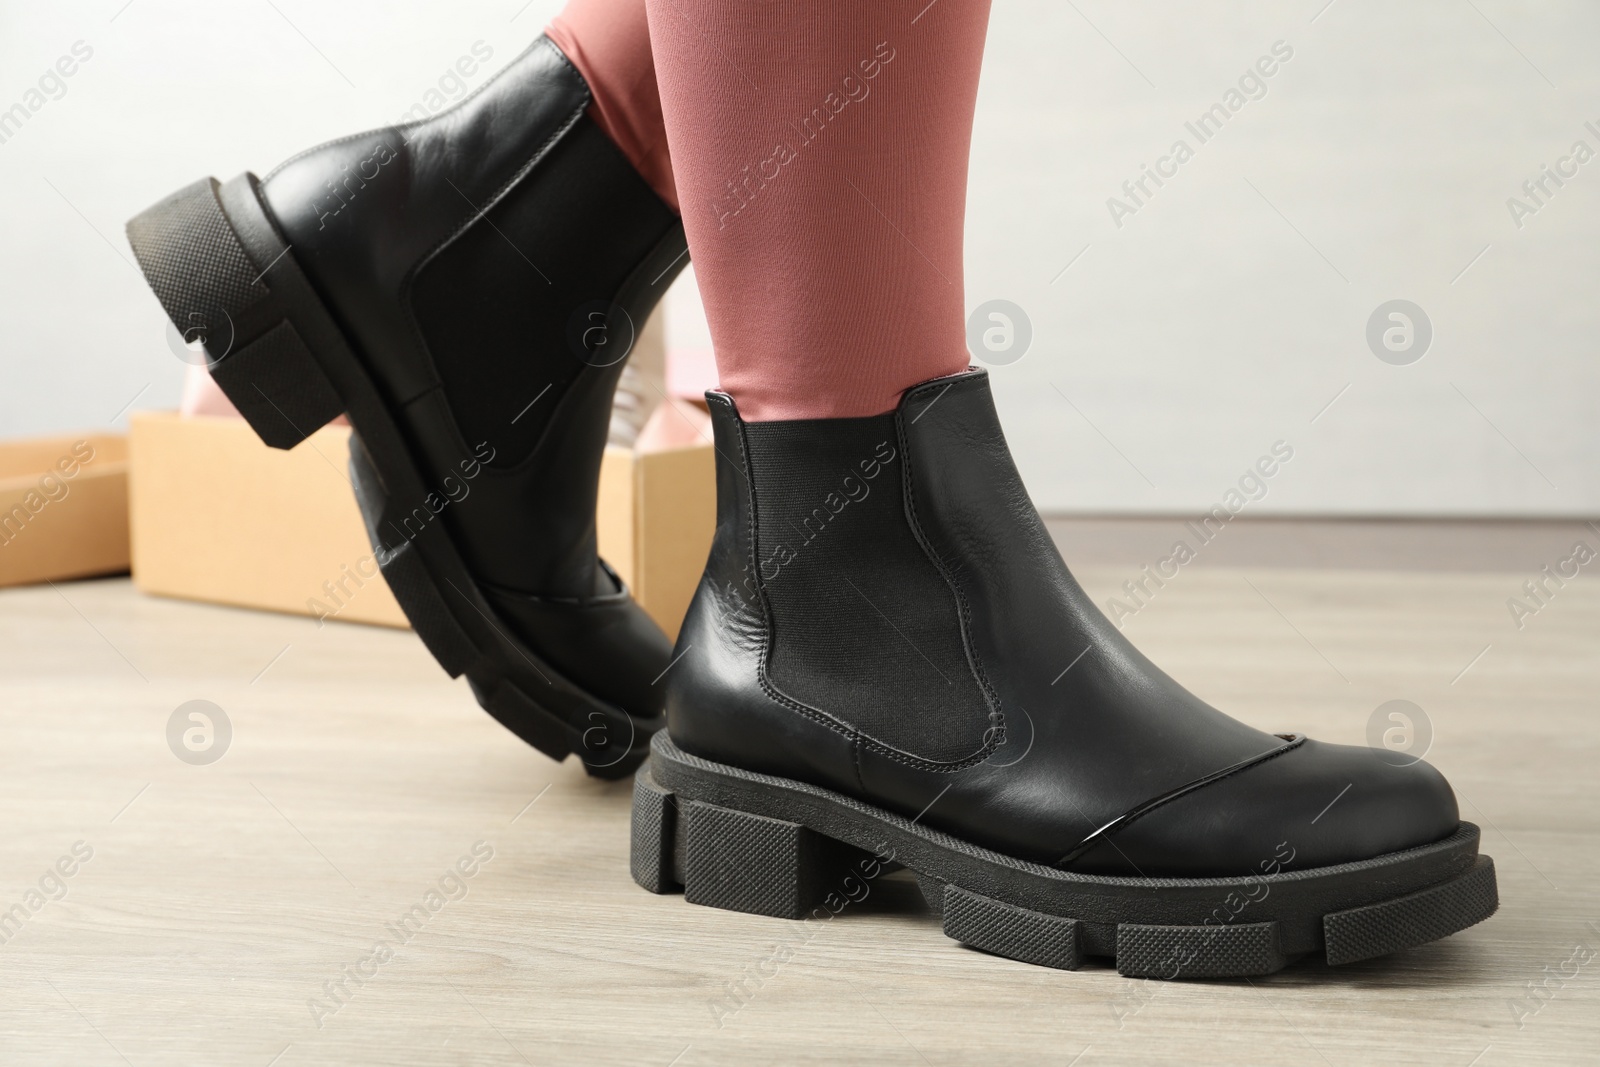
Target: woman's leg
{"type": "Point", "coordinates": [820, 155]}
{"type": "Point", "coordinates": [609, 42]}
{"type": "Point", "coordinates": [886, 646]}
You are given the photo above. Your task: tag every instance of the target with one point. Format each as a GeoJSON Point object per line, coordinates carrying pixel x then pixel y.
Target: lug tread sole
{"type": "Point", "coordinates": [760, 863]}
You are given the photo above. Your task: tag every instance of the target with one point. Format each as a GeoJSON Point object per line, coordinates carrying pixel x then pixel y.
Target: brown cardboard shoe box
{"type": "Point", "coordinates": [63, 508]}
{"type": "Point", "coordinates": [657, 509]}
{"type": "Point", "coordinates": [219, 516]}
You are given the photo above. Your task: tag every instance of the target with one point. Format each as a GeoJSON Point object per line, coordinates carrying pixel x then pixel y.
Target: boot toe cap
{"type": "Point", "coordinates": [1314, 806]}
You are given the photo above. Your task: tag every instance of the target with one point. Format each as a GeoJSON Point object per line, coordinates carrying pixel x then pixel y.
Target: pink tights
{"type": "Point", "coordinates": [818, 152]}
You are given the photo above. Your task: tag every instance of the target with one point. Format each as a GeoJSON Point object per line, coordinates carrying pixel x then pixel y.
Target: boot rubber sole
{"type": "Point", "coordinates": [221, 270]}
{"type": "Point", "coordinates": [755, 843]}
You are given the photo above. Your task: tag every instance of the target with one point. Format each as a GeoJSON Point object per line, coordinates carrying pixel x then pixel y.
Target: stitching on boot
{"type": "Point", "coordinates": [752, 554]}
{"type": "Point", "coordinates": [996, 731]}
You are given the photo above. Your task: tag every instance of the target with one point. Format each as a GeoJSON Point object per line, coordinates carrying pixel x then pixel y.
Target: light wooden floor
{"type": "Point", "coordinates": [219, 899]}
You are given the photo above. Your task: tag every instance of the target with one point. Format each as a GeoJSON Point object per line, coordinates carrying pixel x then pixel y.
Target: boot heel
{"type": "Point", "coordinates": [763, 866]}
{"type": "Point", "coordinates": [656, 857]}
{"type": "Point", "coordinates": [204, 269]}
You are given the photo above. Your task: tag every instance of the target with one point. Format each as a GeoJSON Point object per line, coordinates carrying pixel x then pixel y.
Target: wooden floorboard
{"type": "Point", "coordinates": [221, 900]}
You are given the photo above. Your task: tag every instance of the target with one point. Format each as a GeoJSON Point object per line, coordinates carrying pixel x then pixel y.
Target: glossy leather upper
{"type": "Point", "coordinates": [1091, 728]}
{"type": "Point", "coordinates": [456, 253]}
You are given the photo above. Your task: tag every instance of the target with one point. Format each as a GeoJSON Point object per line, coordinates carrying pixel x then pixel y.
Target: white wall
{"type": "Point", "coordinates": [1219, 318]}
{"type": "Point", "coordinates": [1206, 327]}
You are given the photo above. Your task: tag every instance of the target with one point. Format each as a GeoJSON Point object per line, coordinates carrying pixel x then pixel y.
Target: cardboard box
{"type": "Point", "coordinates": [658, 509]}
{"type": "Point", "coordinates": [219, 516]}
{"type": "Point", "coordinates": [63, 508]}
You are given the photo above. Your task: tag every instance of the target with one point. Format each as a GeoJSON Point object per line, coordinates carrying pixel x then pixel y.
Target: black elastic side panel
{"type": "Point", "coordinates": [480, 300]}
{"type": "Point", "coordinates": [864, 626]}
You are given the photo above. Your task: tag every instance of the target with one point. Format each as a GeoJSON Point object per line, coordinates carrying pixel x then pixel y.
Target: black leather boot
{"type": "Point", "coordinates": [465, 288]}
{"type": "Point", "coordinates": [888, 662]}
